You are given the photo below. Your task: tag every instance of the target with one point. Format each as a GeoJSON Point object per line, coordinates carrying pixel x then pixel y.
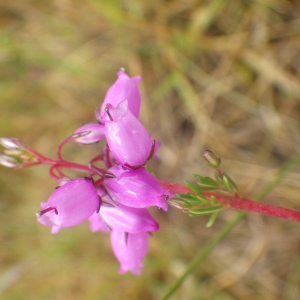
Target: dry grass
{"type": "Point", "coordinates": [219, 75]}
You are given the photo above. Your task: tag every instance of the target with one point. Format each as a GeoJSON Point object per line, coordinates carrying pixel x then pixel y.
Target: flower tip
{"type": "Point", "coordinates": [163, 204]}
{"type": "Point", "coordinates": [9, 161]}
{"type": "Point", "coordinates": [122, 70]}
{"type": "Point", "coordinates": [134, 271]}
{"type": "Point", "coordinates": [88, 134]}
{"type": "Point", "coordinates": [55, 229]}
{"type": "Point", "coordinates": [211, 159]}
{"type": "Point", "coordinates": [11, 143]}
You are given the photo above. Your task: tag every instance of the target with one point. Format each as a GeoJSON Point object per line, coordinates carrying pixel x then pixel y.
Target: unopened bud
{"type": "Point", "coordinates": [8, 161]}
{"type": "Point", "coordinates": [89, 134]}
{"type": "Point", "coordinates": [11, 143]}
{"type": "Point", "coordinates": [13, 152]}
{"type": "Point", "coordinates": [212, 160]}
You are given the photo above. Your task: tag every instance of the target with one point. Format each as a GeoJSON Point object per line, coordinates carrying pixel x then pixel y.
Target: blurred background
{"type": "Point", "coordinates": [220, 75]}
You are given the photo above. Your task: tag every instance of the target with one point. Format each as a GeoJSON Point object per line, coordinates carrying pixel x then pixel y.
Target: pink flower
{"type": "Point", "coordinates": [136, 188]}
{"type": "Point", "coordinates": [71, 204]}
{"type": "Point", "coordinates": [127, 138]}
{"type": "Point", "coordinates": [130, 249]}
{"type": "Point", "coordinates": [125, 88]}
{"type": "Point", "coordinates": [96, 224]}
{"type": "Point", "coordinates": [123, 218]}
{"type": "Point", "coordinates": [89, 134]}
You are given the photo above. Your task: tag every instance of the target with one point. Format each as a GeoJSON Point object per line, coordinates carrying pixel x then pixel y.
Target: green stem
{"type": "Point", "coordinates": [288, 166]}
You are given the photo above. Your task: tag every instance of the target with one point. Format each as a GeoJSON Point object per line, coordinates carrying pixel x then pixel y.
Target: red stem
{"type": "Point", "coordinates": [238, 203]}
{"type": "Point", "coordinates": [65, 141]}
{"type": "Point", "coordinates": [67, 164]}
{"type": "Point", "coordinates": [228, 201]}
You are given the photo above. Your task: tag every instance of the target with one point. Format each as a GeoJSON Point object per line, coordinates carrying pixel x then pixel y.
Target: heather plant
{"type": "Point", "coordinates": [117, 187]}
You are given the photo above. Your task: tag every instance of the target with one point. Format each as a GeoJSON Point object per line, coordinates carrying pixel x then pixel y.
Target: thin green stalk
{"type": "Point", "coordinates": [288, 166]}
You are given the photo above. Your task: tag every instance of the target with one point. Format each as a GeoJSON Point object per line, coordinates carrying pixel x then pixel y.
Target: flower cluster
{"type": "Point", "coordinates": [118, 201]}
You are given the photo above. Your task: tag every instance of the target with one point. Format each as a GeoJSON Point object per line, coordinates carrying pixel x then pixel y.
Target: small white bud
{"type": "Point", "coordinates": [8, 161]}
{"type": "Point", "coordinates": [11, 143]}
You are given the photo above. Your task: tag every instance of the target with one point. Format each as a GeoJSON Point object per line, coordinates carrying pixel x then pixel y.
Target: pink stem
{"type": "Point", "coordinates": [97, 158]}
{"type": "Point", "coordinates": [65, 141]}
{"type": "Point", "coordinates": [238, 203]}
{"type": "Point", "coordinates": [227, 201]}
{"type": "Point", "coordinates": [220, 172]}
{"type": "Point", "coordinates": [52, 174]}
{"type": "Point", "coordinates": [68, 165]}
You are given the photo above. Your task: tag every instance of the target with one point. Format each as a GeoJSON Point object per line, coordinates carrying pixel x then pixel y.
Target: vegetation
{"type": "Point", "coordinates": [219, 75]}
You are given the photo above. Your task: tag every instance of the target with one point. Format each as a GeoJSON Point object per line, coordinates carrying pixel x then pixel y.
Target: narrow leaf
{"type": "Point", "coordinates": [206, 210]}
{"type": "Point", "coordinates": [187, 196]}
{"type": "Point", "coordinates": [191, 186]}
{"type": "Point", "coordinates": [206, 182]}
{"type": "Point", "coordinates": [212, 219]}
{"type": "Point", "coordinates": [226, 183]}
{"type": "Point", "coordinates": [213, 199]}
{"type": "Point", "coordinates": [232, 182]}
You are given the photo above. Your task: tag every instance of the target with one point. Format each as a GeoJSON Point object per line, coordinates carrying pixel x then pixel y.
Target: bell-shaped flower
{"type": "Point", "coordinates": [130, 249]}
{"type": "Point", "coordinates": [127, 138]}
{"type": "Point", "coordinates": [136, 188]}
{"type": "Point", "coordinates": [89, 134]}
{"type": "Point", "coordinates": [71, 204]}
{"type": "Point", "coordinates": [96, 224]}
{"type": "Point", "coordinates": [123, 218]}
{"type": "Point", "coordinates": [125, 88]}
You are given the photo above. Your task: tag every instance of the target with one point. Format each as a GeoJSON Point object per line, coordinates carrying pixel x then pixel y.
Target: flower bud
{"type": "Point", "coordinates": [11, 143]}
{"type": "Point", "coordinates": [89, 134]}
{"type": "Point", "coordinates": [127, 138]}
{"type": "Point", "coordinates": [125, 88]}
{"type": "Point", "coordinates": [71, 204]}
{"type": "Point", "coordinates": [96, 224]}
{"type": "Point", "coordinates": [124, 218]}
{"type": "Point", "coordinates": [9, 161]}
{"type": "Point", "coordinates": [136, 188]}
{"type": "Point", "coordinates": [212, 160]}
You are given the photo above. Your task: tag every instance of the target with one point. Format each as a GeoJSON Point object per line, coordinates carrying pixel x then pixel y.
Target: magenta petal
{"type": "Point", "coordinates": [130, 249]}
{"type": "Point", "coordinates": [50, 218]}
{"type": "Point", "coordinates": [73, 203]}
{"type": "Point", "coordinates": [125, 88]}
{"type": "Point", "coordinates": [89, 134]}
{"type": "Point", "coordinates": [136, 188]}
{"type": "Point", "coordinates": [127, 138]}
{"type": "Point", "coordinates": [128, 219]}
{"type": "Point", "coordinates": [156, 147]}
{"type": "Point", "coordinates": [96, 224]}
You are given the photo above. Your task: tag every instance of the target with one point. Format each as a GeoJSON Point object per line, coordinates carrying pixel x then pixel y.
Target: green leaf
{"type": "Point", "coordinates": [226, 183]}
{"type": "Point", "coordinates": [208, 188]}
{"type": "Point", "coordinates": [202, 197]}
{"type": "Point", "coordinates": [206, 210]}
{"type": "Point", "coordinates": [213, 199]}
{"type": "Point", "coordinates": [212, 219]}
{"type": "Point", "coordinates": [191, 186]}
{"type": "Point", "coordinates": [194, 200]}
{"type": "Point", "coordinates": [206, 182]}
{"type": "Point", "coordinates": [197, 202]}
{"type": "Point", "coordinates": [188, 196]}
{"type": "Point", "coordinates": [232, 182]}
